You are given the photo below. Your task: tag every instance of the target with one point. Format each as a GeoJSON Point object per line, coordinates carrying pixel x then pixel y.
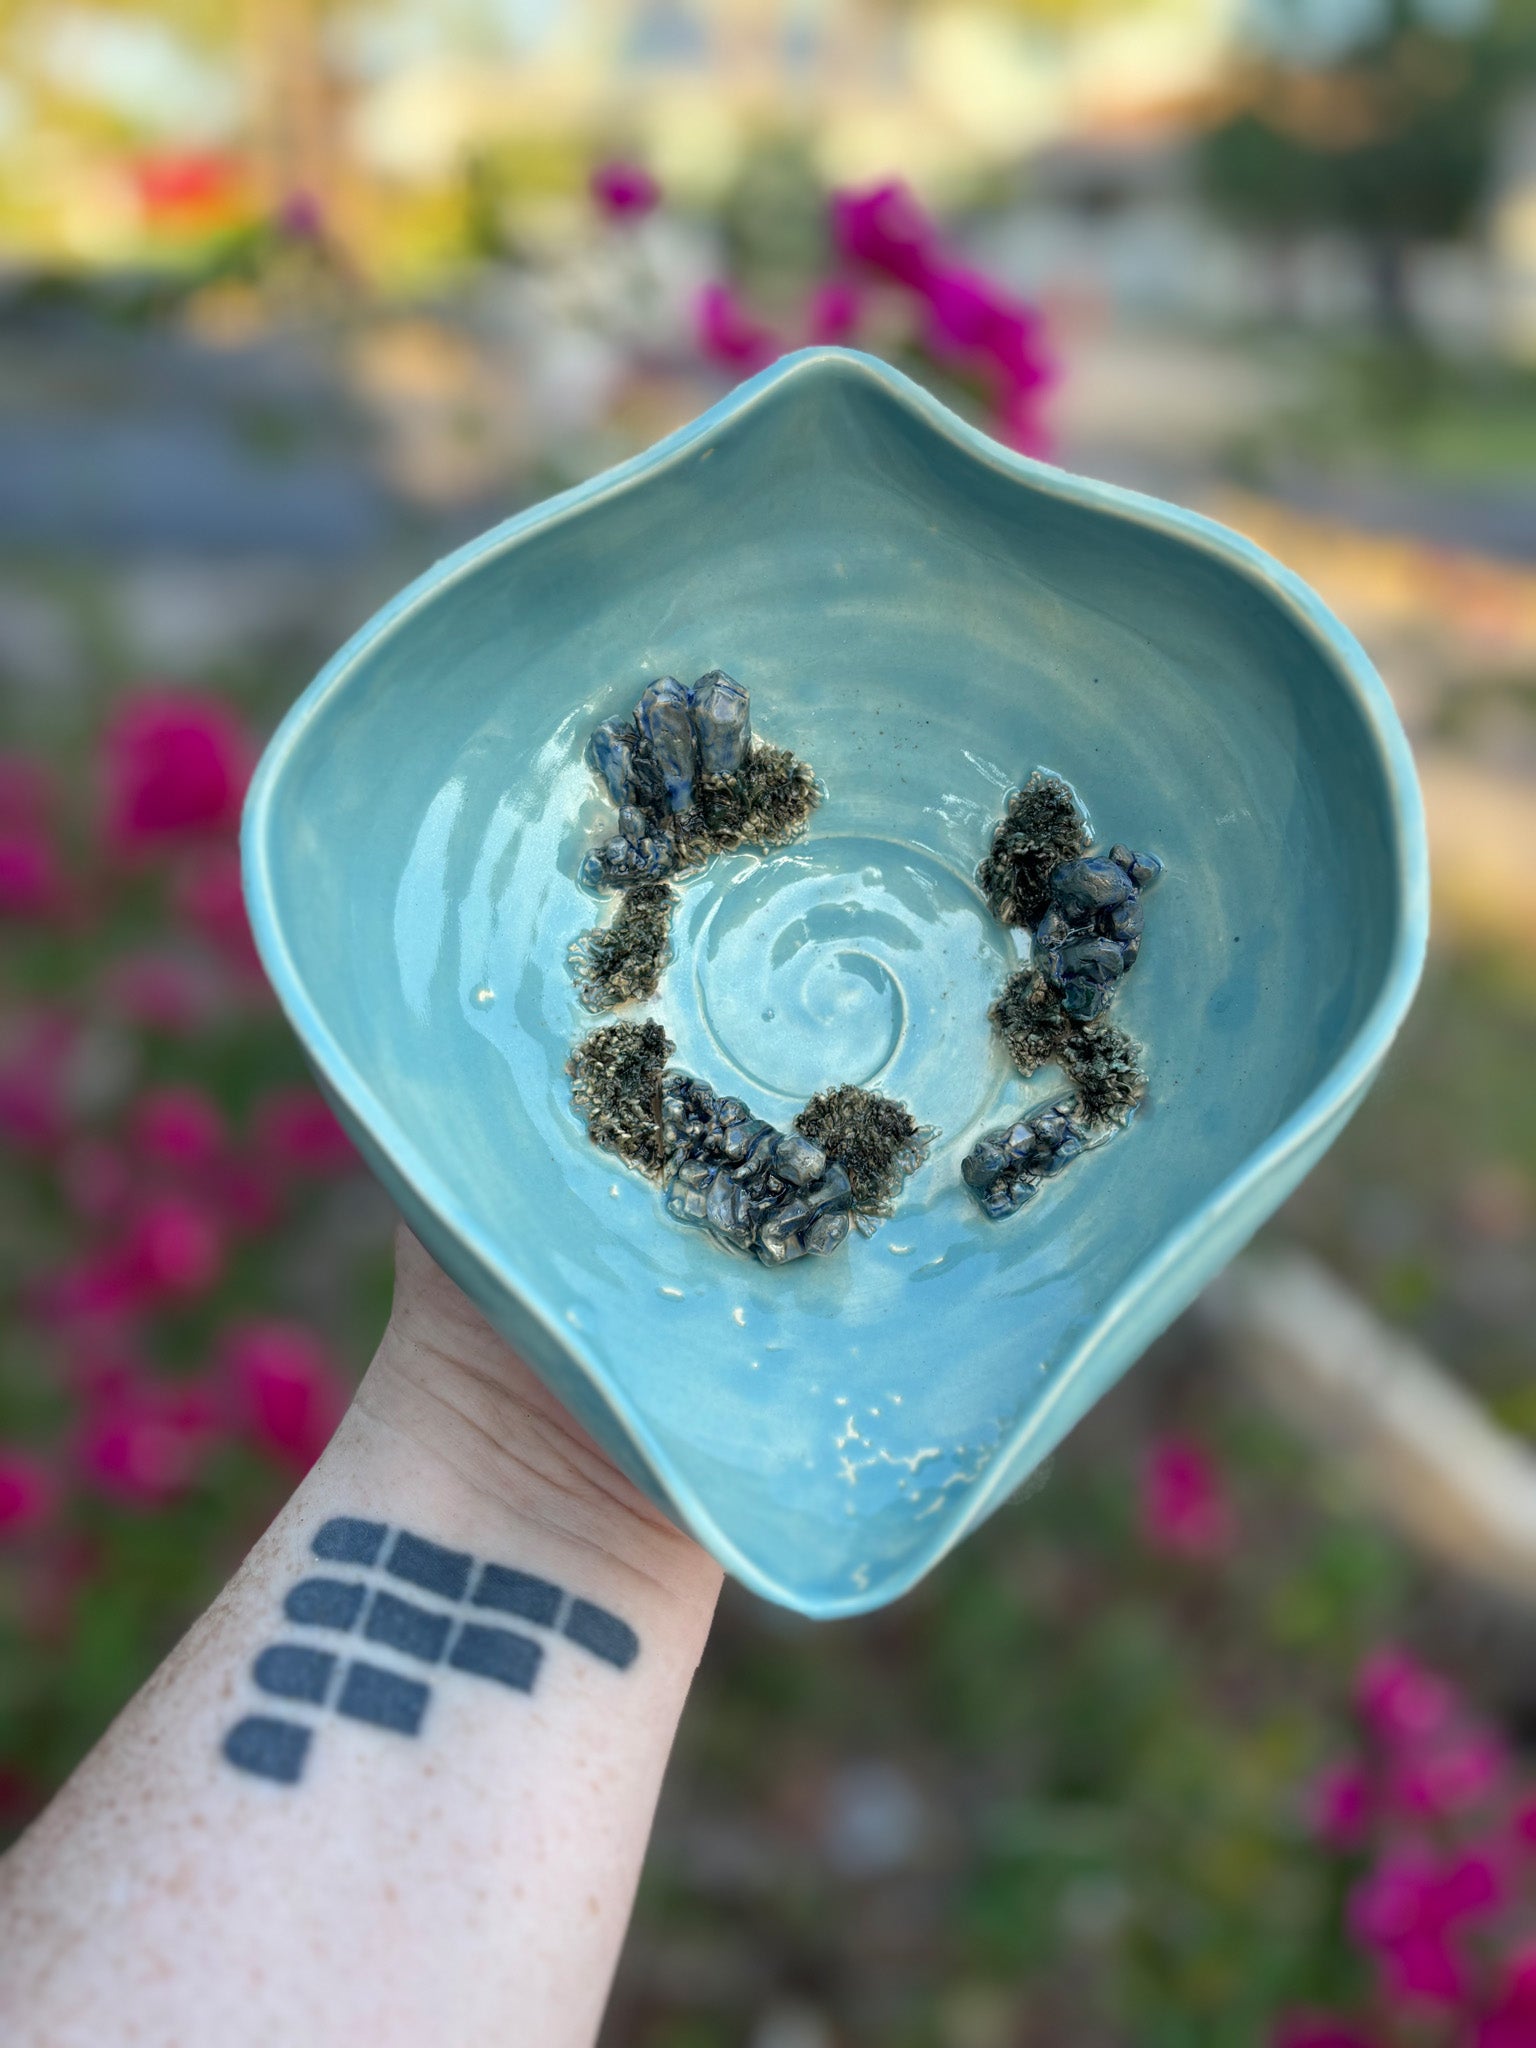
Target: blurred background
{"type": "Point", "coordinates": [1222, 1733]}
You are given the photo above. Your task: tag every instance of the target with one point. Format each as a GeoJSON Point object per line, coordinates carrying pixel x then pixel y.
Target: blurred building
{"type": "Point", "coordinates": [142, 135]}
{"type": "Point", "coordinates": [129, 124]}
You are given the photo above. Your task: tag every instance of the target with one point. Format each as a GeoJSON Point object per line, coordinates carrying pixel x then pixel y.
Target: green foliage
{"type": "Point", "coordinates": [1391, 142]}
{"type": "Point", "coordinates": [1112, 1749]}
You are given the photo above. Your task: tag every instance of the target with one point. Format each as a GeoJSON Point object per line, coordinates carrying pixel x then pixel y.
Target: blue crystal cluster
{"type": "Point", "coordinates": [1086, 915]}
{"type": "Point", "coordinates": [1004, 1169]}
{"type": "Point", "coordinates": [690, 781]}
{"type": "Point", "coordinates": [754, 1188]}
{"type": "Point", "coordinates": [680, 735]}
{"type": "Point", "coordinates": [1087, 941]}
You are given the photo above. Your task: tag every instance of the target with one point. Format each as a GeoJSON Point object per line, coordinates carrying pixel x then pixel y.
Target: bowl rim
{"type": "Point", "coordinates": [1329, 1102]}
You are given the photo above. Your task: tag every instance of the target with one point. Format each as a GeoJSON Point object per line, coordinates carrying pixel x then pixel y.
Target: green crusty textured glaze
{"type": "Point", "coordinates": [925, 617]}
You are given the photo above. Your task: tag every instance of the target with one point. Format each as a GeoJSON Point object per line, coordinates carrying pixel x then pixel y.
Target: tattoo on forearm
{"type": "Point", "coordinates": [439, 1631]}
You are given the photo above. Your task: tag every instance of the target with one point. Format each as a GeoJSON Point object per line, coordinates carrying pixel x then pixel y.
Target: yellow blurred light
{"type": "Point", "coordinates": [694, 140]}
{"type": "Point", "coordinates": [1513, 229]}
{"type": "Point", "coordinates": [982, 74]}
{"type": "Point", "coordinates": [861, 143]}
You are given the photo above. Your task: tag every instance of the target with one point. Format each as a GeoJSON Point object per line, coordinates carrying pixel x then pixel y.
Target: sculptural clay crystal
{"type": "Point", "coordinates": [1084, 911]}
{"type": "Point", "coordinates": [690, 781]}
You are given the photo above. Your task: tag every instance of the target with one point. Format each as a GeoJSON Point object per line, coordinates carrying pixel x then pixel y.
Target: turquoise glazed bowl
{"type": "Point", "coordinates": [925, 617]}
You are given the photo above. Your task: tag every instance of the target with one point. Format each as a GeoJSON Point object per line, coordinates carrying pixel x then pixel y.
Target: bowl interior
{"type": "Point", "coordinates": [924, 628]}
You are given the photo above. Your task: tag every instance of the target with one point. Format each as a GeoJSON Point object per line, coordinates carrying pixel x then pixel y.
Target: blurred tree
{"type": "Point", "coordinates": [1392, 141]}
{"type": "Point", "coordinates": [774, 220]}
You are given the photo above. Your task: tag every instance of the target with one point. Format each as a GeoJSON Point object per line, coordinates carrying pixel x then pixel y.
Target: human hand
{"type": "Point", "coordinates": [396, 1784]}
{"type": "Point", "coordinates": [445, 1380]}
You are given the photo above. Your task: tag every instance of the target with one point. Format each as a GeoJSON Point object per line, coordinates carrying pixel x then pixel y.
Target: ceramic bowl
{"type": "Point", "coordinates": [925, 617]}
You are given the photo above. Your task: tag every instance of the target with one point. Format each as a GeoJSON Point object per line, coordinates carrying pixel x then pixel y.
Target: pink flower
{"type": "Point", "coordinates": [1017, 423]}
{"type": "Point", "coordinates": [1425, 1967]}
{"type": "Point", "coordinates": [624, 191]}
{"type": "Point", "coordinates": [31, 884]}
{"type": "Point", "coordinates": [1398, 1700]}
{"type": "Point", "coordinates": [1407, 1912]}
{"type": "Point", "coordinates": [176, 1249]}
{"type": "Point", "coordinates": [1437, 1761]}
{"type": "Point", "coordinates": [1184, 1508]}
{"type": "Point", "coordinates": [1341, 1806]}
{"type": "Point", "coordinates": [729, 335]}
{"type": "Point", "coordinates": [296, 1130]}
{"type": "Point", "coordinates": [147, 1445]}
{"type": "Point", "coordinates": [1447, 1777]}
{"type": "Point", "coordinates": [969, 315]}
{"type": "Point", "coordinates": [284, 1388]}
{"type": "Point", "coordinates": [27, 1492]}
{"type": "Point", "coordinates": [173, 1250]}
{"type": "Point", "coordinates": [970, 322]}
{"type": "Point", "coordinates": [175, 763]}
{"type": "Point", "coordinates": [887, 229]}
{"type": "Point", "coordinates": [1510, 2021]}
{"type": "Point", "coordinates": [1503, 2028]}
{"type": "Point", "coordinates": [208, 895]}
{"type": "Point", "coordinates": [835, 310]}
{"type": "Point", "coordinates": [180, 1128]}
{"type": "Point", "coordinates": [30, 881]}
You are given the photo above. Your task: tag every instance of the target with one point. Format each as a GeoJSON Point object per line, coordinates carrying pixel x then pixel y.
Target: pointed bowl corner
{"type": "Point", "coordinates": [925, 616]}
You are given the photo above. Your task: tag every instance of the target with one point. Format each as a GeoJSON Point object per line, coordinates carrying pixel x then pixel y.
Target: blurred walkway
{"type": "Point", "coordinates": [1454, 635]}
{"type": "Point", "coordinates": [1162, 412]}
{"type": "Point", "coordinates": [123, 441]}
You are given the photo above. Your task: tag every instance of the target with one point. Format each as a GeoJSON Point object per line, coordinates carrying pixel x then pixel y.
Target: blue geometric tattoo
{"type": "Point", "coordinates": [440, 1632]}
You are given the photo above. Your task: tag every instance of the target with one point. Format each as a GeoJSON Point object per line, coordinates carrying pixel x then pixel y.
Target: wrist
{"type": "Point", "coordinates": [486, 1428]}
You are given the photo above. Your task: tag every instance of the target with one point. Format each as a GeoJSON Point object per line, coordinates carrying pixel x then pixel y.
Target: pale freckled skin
{"type": "Point", "coordinates": [166, 1897]}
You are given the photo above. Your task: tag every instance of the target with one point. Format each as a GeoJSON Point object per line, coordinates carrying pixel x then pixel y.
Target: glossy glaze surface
{"type": "Point", "coordinates": [925, 618]}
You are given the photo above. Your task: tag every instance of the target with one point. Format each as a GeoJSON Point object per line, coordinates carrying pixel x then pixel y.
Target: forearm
{"type": "Point", "coordinates": [441, 1842]}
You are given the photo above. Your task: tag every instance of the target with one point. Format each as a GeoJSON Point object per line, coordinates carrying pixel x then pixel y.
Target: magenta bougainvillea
{"type": "Point", "coordinates": [1185, 1511]}
{"type": "Point", "coordinates": [151, 1103]}
{"type": "Point", "coordinates": [1424, 1815]}
{"type": "Point", "coordinates": [886, 249]}
{"type": "Point", "coordinates": [969, 324]}
{"type": "Point", "coordinates": [624, 191]}
{"type": "Point", "coordinates": [1429, 1817]}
